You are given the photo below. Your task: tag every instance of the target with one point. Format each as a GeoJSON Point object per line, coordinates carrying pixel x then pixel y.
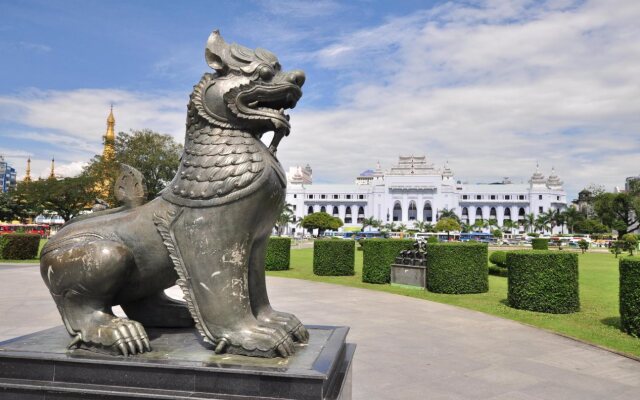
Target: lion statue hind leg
{"type": "Point", "coordinates": [83, 278]}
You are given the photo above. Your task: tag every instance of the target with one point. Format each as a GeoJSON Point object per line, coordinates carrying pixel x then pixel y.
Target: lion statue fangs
{"type": "Point", "coordinates": [207, 231]}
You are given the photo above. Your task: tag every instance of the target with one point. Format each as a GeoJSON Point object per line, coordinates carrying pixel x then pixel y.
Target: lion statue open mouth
{"type": "Point", "coordinates": [207, 231]}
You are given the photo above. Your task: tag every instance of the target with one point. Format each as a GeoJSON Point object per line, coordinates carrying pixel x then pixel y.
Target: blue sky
{"type": "Point", "coordinates": [492, 86]}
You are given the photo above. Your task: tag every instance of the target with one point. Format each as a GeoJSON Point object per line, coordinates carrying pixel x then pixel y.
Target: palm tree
{"type": "Point", "coordinates": [510, 225]}
{"type": "Point", "coordinates": [529, 221]}
{"type": "Point", "coordinates": [286, 216]}
{"type": "Point", "coordinates": [465, 227]}
{"type": "Point", "coordinates": [446, 213]}
{"type": "Point", "coordinates": [492, 223]}
{"type": "Point", "coordinates": [542, 223]}
{"type": "Point", "coordinates": [571, 217]}
{"type": "Point", "coordinates": [478, 225]}
{"type": "Point", "coordinates": [402, 227]}
{"type": "Point", "coordinates": [391, 226]}
{"type": "Point", "coordinates": [372, 222]}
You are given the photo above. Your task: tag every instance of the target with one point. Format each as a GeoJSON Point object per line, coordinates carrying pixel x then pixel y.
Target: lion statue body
{"type": "Point", "coordinates": [207, 231]}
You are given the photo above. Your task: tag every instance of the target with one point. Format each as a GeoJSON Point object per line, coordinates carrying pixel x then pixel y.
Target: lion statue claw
{"type": "Point", "coordinates": [207, 231]}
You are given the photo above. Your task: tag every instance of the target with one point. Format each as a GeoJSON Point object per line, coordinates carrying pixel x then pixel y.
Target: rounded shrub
{"type": "Point", "coordinates": [334, 257]}
{"type": "Point", "coordinates": [457, 268]}
{"type": "Point", "coordinates": [540, 244]}
{"type": "Point", "coordinates": [630, 295]}
{"type": "Point", "coordinates": [378, 255]}
{"type": "Point", "coordinates": [19, 246]}
{"type": "Point", "coordinates": [499, 258]}
{"type": "Point", "coordinates": [278, 254]}
{"type": "Point", "coordinates": [543, 281]}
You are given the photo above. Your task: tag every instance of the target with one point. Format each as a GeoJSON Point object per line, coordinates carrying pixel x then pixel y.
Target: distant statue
{"type": "Point", "coordinates": [207, 231]}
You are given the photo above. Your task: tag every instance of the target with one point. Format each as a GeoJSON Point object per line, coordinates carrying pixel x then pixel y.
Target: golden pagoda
{"type": "Point", "coordinates": [109, 151]}
{"type": "Point", "coordinates": [104, 184]}
{"type": "Point", "coordinates": [52, 175]}
{"type": "Point", "coordinates": [27, 177]}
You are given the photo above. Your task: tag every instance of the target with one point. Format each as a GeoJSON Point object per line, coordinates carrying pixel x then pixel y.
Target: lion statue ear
{"type": "Point", "coordinates": [214, 52]}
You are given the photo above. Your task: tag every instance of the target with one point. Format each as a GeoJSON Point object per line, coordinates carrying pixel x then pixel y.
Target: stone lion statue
{"type": "Point", "coordinates": [207, 231]}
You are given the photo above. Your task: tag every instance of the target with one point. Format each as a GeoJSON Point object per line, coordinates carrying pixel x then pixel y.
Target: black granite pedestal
{"type": "Point", "coordinates": [409, 275]}
{"type": "Point", "coordinates": [38, 366]}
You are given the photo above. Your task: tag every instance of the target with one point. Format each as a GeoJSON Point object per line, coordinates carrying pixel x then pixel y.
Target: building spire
{"type": "Point", "coordinates": [27, 177]}
{"type": "Point", "coordinates": [52, 175]}
{"type": "Point", "coordinates": [109, 151]}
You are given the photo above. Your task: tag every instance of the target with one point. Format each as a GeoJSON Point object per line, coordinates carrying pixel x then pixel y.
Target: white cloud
{"type": "Point", "coordinates": [491, 87]}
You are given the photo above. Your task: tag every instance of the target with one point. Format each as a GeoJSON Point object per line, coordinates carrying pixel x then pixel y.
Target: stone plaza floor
{"type": "Point", "coordinates": [407, 348]}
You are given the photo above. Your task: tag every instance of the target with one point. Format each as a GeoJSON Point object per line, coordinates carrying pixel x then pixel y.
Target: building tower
{"type": "Point", "coordinates": [109, 151]}
{"type": "Point", "coordinates": [27, 177]}
{"type": "Point", "coordinates": [52, 175]}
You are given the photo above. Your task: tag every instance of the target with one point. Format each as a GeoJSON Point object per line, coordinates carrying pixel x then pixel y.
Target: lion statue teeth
{"type": "Point", "coordinates": [207, 231]}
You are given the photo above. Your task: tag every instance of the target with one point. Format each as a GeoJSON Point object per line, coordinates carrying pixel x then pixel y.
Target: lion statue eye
{"type": "Point", "coordinates": [266, 73]}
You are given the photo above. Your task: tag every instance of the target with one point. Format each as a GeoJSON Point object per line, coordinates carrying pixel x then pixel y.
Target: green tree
{"type": "Point", "coordinates": [321, 221]}
{"type": "Point", "coordinates": [572, 216]}
{"type": "Point", "coordinates": [620, 211]}
{"type": "Point", "coordinates": [447, 225]}
{"type": "Point", "coordinates": [155, 155]}
{"type": "Point", "coordinates": [465, 227]}
{"type": "Point", "coordinates": [630, 241]}
{"type": "Point", "coordinates": [422, 226]}
{"type": "Point", "coordinates": [542, 222]}
{"type": "Point", "coordinates": [479, 224]}
{"type": "Point", "coordinates": [529, 222]}
{"type": "Point", "coordinates": [285, 217]}
{"type": "Point", "coordinates": [584, 245]}
{"type": "Point", "coordinates": [497, 233]}
{"type": "Point", "coordinates": [68, 196]}
{"type": "Point", "coordinates": [372, 222]}
{"type": "Point", "coordinates": [449, 213]}
{"type": "Point", "coordinates": [509, 225]}
{"type": "Point", "coordinates": [402, 227]}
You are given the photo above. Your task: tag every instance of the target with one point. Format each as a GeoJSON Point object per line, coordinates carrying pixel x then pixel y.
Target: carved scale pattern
{"type": "Point", "coordinates": [217, 161]}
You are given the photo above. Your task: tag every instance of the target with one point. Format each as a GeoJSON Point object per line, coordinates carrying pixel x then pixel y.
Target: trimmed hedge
{"type": "Point", "coordinates": [334, 257]}
{"type": "Point", "coordinates": [540, 244]}
{"type": "Point", "coordinates": [19, 246]}
{"type": "Point", "coordinates": [499, 258]}
{"type": "Point", "coordinates": [544, 281]}
{"type": "Point", "coordinates": [378, 255]}
{"type": "Point", "coordinates": [278, 254]}
{"type": "Point", "coordinates": [630, 295]}
{"type": "Point", "coordinates": [457, 268]}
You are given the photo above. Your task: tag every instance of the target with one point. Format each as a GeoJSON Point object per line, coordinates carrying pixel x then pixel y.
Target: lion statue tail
{"type": "Point", "coordinates": [130, 190]}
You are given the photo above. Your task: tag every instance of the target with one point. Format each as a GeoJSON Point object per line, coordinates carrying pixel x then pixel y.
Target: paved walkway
{"type": "Point", "coordinates": [407, 348]}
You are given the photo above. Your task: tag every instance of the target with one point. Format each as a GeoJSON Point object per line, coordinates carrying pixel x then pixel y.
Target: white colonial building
{"type": "Point", "coordinates": [414, 190]}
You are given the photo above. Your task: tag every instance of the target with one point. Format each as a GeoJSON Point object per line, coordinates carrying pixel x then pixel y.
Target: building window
{"type": "Point", "coordinates": [465, 197]}
{"type": "Point", "coordinates": [478, 197]}
{"type": "Point", "coordinates": [347, 216]}
{"type": "Point", "coordinates": [335, 211]}
{"type": "Point", "coordinates": [558, 198]}
{"type": "Point", "coordinates": [540, 209]}
{"type": "Point", "coordinates": [360, 215]}
{"type": "Point", "coordinates": [335, 196]}
{"type": "Point", "coordinates": [361, 196]}
{"type": "Point", "coordinates": [413, 211]}
{"type": "Point", "coordinates": [310, 210]}
{"type": "Point", "coordinates": [507, 197]}
{"type": "Point", "coordinates": [294, 207]}
{"type": "Point", "coordinates": [427, 212]}
{"type": "Point", "coordinates": [323, 196]}
{"type": "Point", "coordinates": [397, 211]}
{"type": "Point", "coordinates": [295, 196]}
{"type": "Point", "coordinates": [521, 197]}
{"type": "Point", "coordinates": [348, 197]}
{"type": "Point", "coordinates": [323, 209]}
{"type": "Point", "coordinates": [539, 197]}
{"type": "Point", "coordinates": [309, 196]}
{"type": "Point", "coordinates": [479, 214]}
{"type": "Point", "coordinates": [493, 197]}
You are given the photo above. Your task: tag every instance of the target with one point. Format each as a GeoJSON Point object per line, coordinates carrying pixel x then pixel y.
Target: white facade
{"type": "Point", "coordinates": [414, 190]}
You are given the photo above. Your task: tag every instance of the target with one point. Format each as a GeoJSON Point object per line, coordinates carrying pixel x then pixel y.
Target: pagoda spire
{"type": "Point", "coordinates": [109, 151]}
{"type": "Point", "coordinates": [27, 177]}
{"type": "Point", "coordinates": [52, 175]}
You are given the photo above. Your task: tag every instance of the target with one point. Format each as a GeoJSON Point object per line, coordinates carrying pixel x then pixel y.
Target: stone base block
{"type": "Point", "coordinates": [38, 366]}
{"type": "Point", "coordinates": [409, 275]}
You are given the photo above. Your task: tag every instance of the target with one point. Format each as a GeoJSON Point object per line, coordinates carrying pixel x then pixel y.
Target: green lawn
{"type": "Point", "coordinates": [597, 322]}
